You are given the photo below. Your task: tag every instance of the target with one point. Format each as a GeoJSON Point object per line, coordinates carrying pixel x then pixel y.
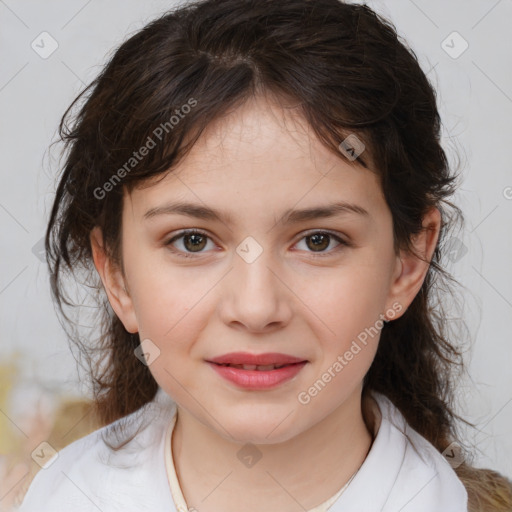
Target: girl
{"type": "Point", "coordinates": [259, 189]}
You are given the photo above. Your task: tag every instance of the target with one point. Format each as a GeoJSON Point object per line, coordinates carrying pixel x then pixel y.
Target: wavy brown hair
{"type": "Point", "coordinates": [347, 71]}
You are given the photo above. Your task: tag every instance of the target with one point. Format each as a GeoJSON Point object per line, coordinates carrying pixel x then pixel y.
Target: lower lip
{"type": "Point", "coordinates": [255, 379]}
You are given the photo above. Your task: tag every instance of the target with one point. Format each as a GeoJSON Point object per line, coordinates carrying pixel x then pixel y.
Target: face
{"type": "Point", "coordinates": [262, 277]}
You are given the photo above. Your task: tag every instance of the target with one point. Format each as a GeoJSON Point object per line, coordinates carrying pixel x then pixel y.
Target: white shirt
{"type": "Point", "coordinates": [402, 472]}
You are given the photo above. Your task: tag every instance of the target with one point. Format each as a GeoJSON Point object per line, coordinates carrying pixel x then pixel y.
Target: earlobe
{"type": "Point", "coordinates": [412, 269]}
{"type": "Point", "coordinates": [113, 283]}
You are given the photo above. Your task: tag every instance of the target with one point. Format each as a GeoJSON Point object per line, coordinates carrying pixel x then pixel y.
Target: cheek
{"type": "Point", "coordinates": [166, 297]}
{"type": "Point", "coordinates": [172, 308]}
{"type": "Point", "coordinates": [343, 315]}
{"type": "Point", "coordinates": [345, 302]}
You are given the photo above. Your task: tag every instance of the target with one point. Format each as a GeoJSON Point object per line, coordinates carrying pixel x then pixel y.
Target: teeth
{"type": "Point", "coordinates": [266, 368]}
{"type": "Point", "coordinates": [262, 368]}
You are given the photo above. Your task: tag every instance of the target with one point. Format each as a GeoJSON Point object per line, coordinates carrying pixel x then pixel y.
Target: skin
{"type": "Point", "coordinates": [254, 164]}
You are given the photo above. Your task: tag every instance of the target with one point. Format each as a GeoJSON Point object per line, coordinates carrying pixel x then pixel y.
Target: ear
{"type": "Point", "coordinates": [113, 282]}
{"type": "Point", "coordinates": [410, 270]}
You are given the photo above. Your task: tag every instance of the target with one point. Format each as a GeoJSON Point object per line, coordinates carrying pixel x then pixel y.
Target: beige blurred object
{"type": "Point", "coordinates": [73, 418]}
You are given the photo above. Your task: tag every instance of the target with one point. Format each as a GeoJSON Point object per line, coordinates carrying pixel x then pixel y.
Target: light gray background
{"type": "Point", "coordinates": [475, 97]}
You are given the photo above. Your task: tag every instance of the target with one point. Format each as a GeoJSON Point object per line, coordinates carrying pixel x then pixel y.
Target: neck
{"type": "Point", "coordinates": [306, 469]}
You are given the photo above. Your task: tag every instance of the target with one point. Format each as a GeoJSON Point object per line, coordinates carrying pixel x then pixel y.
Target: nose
{"type": "Point", "coordinates": [255, 296]}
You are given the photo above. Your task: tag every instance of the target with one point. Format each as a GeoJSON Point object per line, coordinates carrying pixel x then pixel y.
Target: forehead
{"type": "Point", "coordinates": [260, 130]}
{"type": "Point", "coordinates": [261, 157]}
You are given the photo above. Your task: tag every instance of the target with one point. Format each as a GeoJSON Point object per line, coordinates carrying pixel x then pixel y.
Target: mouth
{"type": "Point", "coordinates": [257, 371]}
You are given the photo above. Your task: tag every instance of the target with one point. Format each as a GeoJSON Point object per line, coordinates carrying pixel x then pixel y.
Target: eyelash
{"type": "Point", "coordinates": [181, 234]}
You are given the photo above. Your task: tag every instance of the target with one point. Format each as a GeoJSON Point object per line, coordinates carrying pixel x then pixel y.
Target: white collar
{"type": "Point", "coordinates": [402, 472]}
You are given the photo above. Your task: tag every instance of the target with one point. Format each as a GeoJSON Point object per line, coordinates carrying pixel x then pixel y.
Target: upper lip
{"type": "Point", "coordinates": [257, 359]}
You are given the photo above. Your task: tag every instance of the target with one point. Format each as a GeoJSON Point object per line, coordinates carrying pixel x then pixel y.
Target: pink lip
{"type": "Point", "coordinates": [257, 359]}
{"type": "Point", "coordinates": [258, 379]}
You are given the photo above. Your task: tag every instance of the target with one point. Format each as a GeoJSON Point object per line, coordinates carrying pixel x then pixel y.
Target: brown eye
{"type": "Point", "coordinates": [192, 241]}
{"type": "Point", "coordinates": [318, 242]}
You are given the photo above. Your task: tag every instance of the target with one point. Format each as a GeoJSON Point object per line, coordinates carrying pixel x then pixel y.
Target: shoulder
{"type": "Point", "coordinates": [402, 471]}
{"type": "Point", "coordinates": [88, 475]}
{"type": "Point", "coordinates": [426, 481]}
{"type": "Point", "coordinates": [61, 481]}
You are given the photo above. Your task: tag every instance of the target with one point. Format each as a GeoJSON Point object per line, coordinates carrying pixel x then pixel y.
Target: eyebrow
{"type": "Point", "coordinates": [289, 216]}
